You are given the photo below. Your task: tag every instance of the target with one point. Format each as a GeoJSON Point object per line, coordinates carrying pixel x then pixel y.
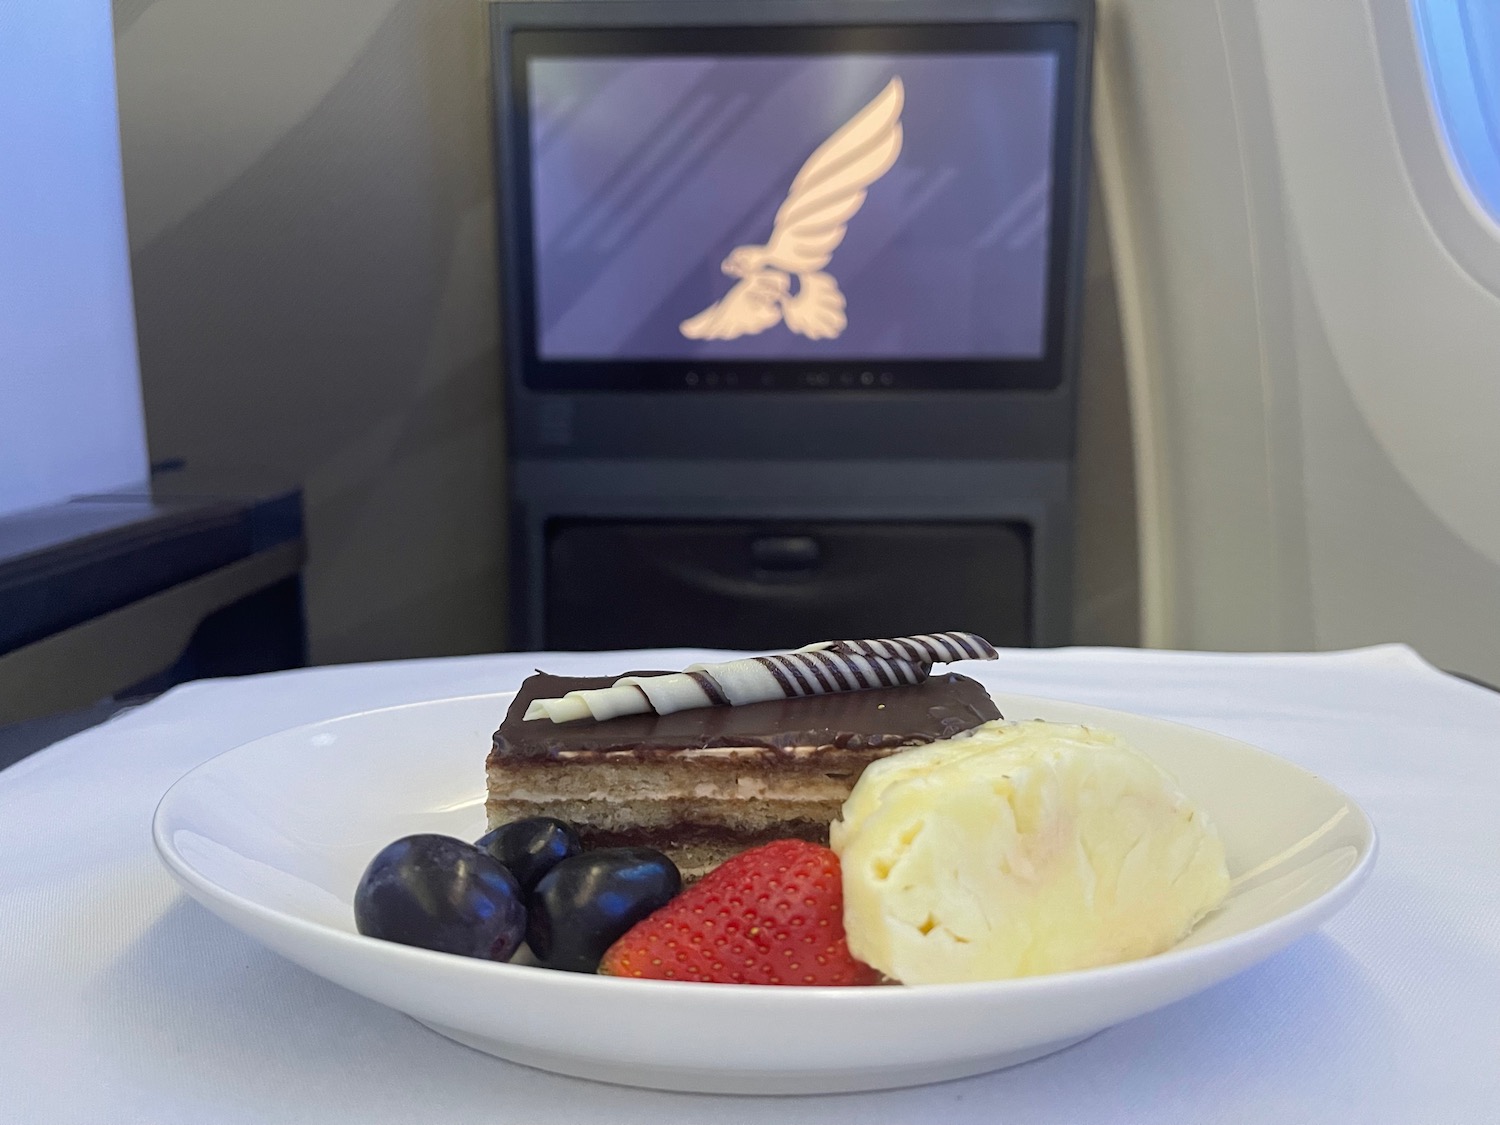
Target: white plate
{"type": "Point", "coordinates": [273, 836]}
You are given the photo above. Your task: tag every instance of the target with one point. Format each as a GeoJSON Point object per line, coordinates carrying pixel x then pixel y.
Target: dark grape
{"type": "Point", "coordinates": [532, 847]}
{"type": "Point", "coordinates": [584, 904]}
{"type": "Point", "coordinates": [440, 893]}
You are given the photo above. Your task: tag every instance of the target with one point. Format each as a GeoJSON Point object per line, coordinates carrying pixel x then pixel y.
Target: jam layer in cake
{"type": "Point", "coordinates": [706, 783]}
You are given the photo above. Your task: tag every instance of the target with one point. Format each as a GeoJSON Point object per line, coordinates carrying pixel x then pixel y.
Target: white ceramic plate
{"type": "Point", "coordinates": [273, 836]}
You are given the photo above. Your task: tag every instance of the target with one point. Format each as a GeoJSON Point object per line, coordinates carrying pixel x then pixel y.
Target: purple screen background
{"type": "Point", "coordinates": [648, 171]}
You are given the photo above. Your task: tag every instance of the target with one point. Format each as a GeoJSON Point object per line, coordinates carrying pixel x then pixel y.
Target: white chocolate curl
{"type": "Point", "coordinates": [818, 669]}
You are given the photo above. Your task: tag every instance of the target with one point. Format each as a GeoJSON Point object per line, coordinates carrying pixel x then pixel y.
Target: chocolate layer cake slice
{"type": "Point", "coordinates": [706, 783]}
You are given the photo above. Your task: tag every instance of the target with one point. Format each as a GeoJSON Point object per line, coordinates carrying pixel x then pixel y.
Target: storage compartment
{"type": "Point", "coordinates": [753, 585]}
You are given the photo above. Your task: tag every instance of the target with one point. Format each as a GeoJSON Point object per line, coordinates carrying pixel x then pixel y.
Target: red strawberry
{"type": "Point", "coordinates": [772, 915]}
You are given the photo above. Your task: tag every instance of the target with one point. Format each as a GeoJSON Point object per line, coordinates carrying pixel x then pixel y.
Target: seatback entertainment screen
{"type": "Point", "coordinates": [755, 216]}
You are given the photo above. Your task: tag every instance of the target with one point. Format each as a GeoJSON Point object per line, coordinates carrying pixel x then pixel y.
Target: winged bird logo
{"type": "Point", "coordinates": [809, 226]}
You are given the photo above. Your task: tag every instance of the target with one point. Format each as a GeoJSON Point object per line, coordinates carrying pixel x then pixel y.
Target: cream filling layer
{"type": "Point", "coordinates": [700, 752]}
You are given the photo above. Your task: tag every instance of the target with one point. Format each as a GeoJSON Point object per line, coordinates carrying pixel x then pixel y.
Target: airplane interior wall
{"type": "Point", "coordinates": [309, 193]}
{"type": "Point", "coordinates": [1309, 297]}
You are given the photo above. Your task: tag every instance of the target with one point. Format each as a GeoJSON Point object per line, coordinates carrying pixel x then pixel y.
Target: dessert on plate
{"type": "Point", "coordinates": [840, 815]}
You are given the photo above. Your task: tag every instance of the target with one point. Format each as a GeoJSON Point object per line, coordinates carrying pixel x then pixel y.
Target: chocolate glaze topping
{"type": "Point", "coordinates": [883, 718]}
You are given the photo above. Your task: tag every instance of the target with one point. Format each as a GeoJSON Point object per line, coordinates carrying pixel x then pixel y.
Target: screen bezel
{"type": "Point", "coordinates": [1043, 373]}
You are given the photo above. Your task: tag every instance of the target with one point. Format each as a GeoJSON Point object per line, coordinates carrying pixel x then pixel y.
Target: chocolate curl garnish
{"type": "Point", "coordinates": [818, 669]}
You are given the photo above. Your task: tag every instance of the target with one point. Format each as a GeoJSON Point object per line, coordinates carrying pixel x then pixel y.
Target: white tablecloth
{"type": "Point", "coordinates": [121, 1000]}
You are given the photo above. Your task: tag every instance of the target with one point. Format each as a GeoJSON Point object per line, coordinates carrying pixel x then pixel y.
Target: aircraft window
{"type": "Point", "coordinates": [1461, 47]}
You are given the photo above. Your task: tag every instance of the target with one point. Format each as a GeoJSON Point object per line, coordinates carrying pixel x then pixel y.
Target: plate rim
{"type": "Point", "coordinates": [1300, 920]}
